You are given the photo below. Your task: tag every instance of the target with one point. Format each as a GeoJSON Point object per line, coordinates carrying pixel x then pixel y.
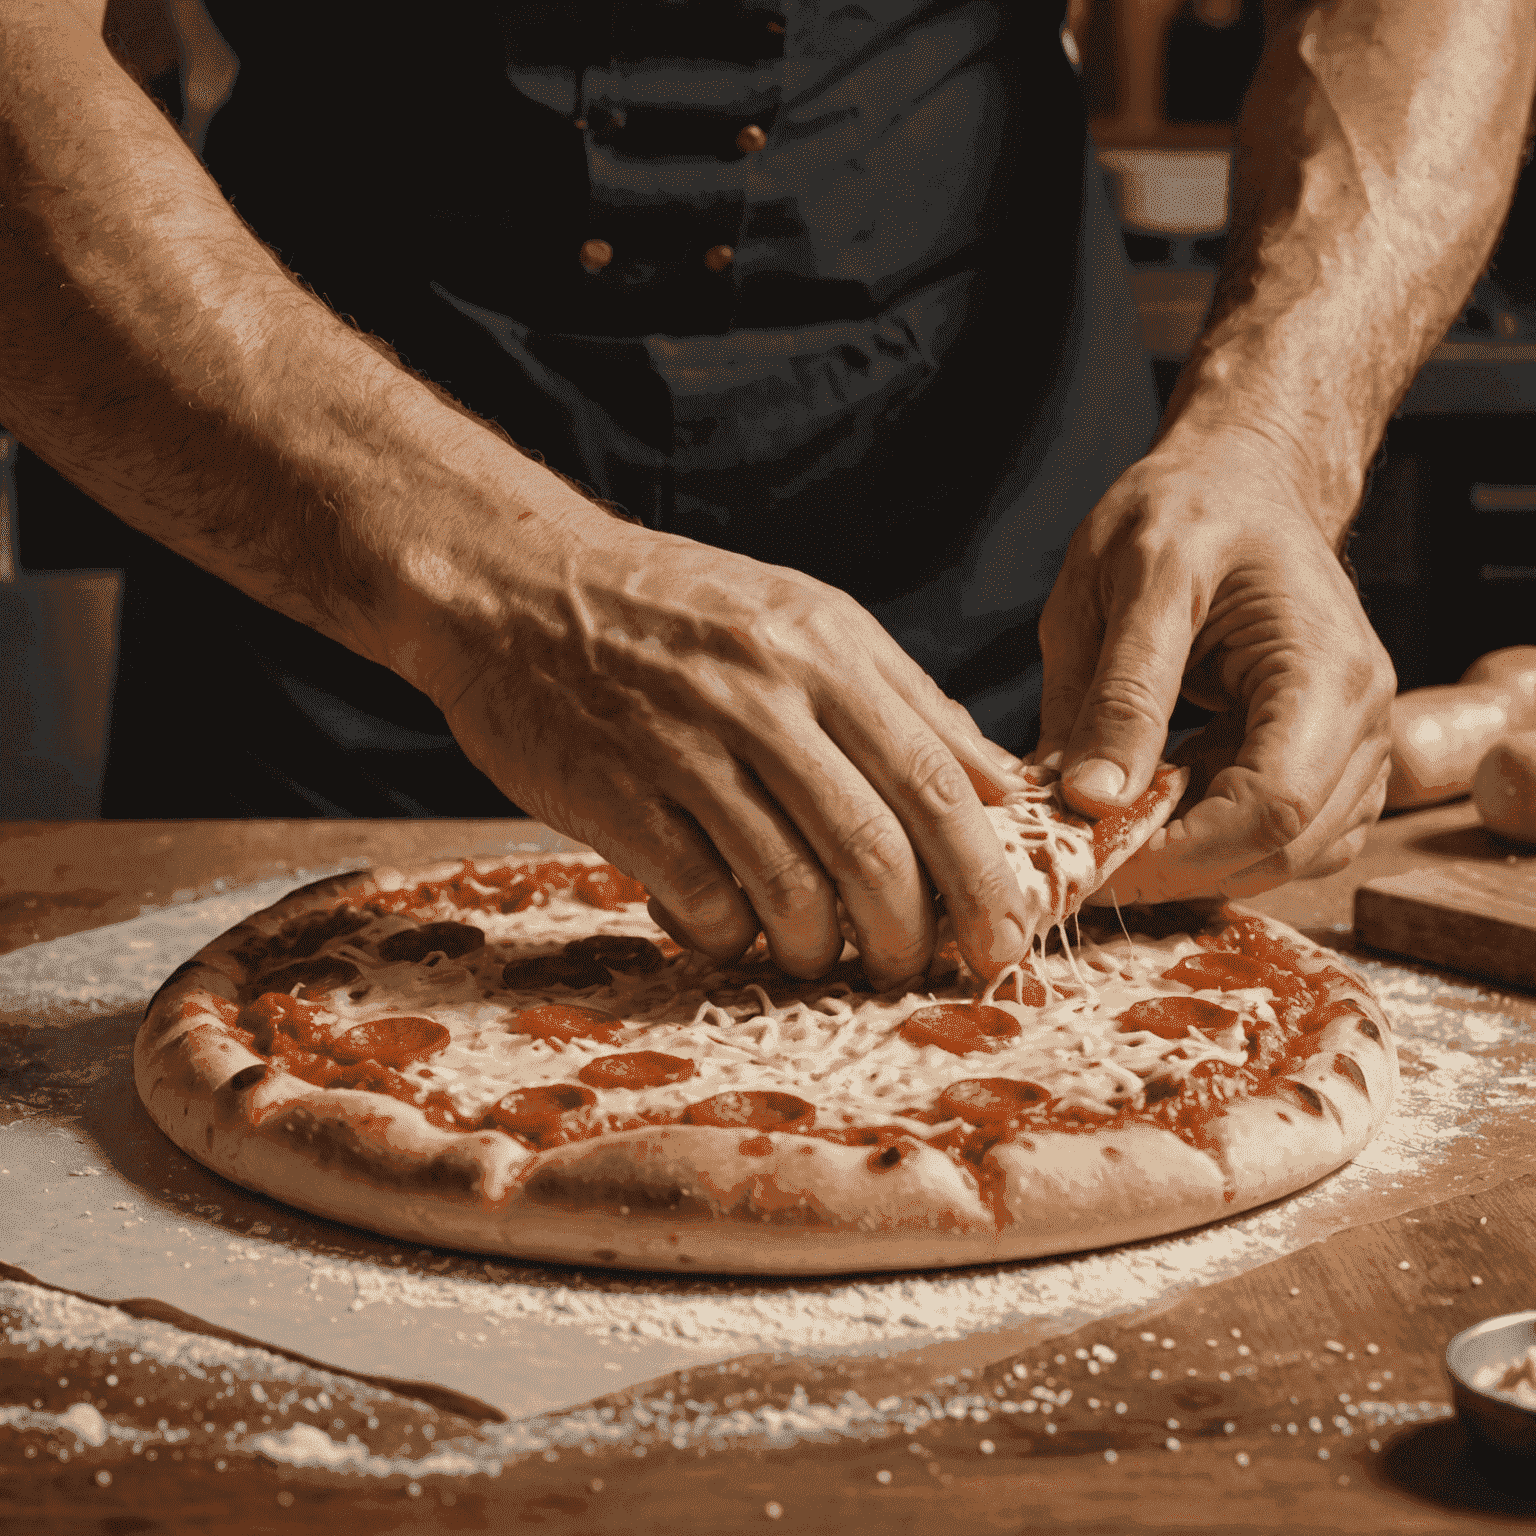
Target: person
{"type": "Point", "coordinates": [880, 341]}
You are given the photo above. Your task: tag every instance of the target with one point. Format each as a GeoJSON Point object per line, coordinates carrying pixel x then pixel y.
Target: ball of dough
{"type": "Point", "coordinates": [1513, 668]}
{"type": "Point", "coordinates": [1504, 789]}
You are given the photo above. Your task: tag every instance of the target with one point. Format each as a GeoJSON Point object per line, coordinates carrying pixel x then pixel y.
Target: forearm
{"type": "Point", "coordinates": [153, 351]}
{"type": "Point", "coordinates": [1378, 151]}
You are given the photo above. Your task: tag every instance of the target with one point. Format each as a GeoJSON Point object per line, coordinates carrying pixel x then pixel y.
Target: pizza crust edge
{"type": "Point", "coordinates": [682, 1197]}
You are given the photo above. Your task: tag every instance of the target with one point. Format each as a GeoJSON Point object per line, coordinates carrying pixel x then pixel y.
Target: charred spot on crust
{"type": "Point", "coordinates": [885, 1158]}
{"type": "Point", "coordinates": [1347, 1066]}
{"type": "Point", "coordinates": [415, 944]}
{"type": "Point", "coordinates": [1367, 1027]}
{"type": "Point", "coordinates": [1311, 1100]}
{"type": "Point", "coordinates": [559, 1185]}
{"type": "Point", "coordinates": [1158, 1089]}
{"type": "Point", "coordinates": [342, 1147]}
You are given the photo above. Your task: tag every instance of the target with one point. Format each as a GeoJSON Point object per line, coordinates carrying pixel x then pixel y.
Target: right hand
{"type": "Point", "coordinates": [745, 740]}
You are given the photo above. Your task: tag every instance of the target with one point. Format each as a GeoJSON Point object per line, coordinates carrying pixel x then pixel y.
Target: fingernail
{"type": "Point", "coordinates": [1051, 760]}
{"type": "Point", "coordinates": [1098, 779]}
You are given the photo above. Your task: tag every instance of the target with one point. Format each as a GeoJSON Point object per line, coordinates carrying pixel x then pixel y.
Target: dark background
{"type": "Point", "coordinates": [1443, 580]}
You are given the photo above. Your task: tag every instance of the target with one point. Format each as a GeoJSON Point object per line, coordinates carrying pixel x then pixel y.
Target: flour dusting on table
{"type": "Point", "coordinates": [1467, 1069]}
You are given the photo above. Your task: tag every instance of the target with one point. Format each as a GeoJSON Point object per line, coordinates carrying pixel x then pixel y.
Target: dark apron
{"type": "Point", "coordinates": [917, 373]}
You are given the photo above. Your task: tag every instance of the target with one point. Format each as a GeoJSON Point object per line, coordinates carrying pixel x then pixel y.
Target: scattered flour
{"type": "Point", "coordinates": [1458, 1078]}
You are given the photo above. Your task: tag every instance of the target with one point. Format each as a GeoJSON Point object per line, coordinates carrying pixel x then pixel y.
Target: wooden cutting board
{"type": "Point", "coordinates": [1479, 918]}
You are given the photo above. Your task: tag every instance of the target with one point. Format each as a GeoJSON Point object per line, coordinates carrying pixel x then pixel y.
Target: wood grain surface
{"type": "Point", "coordinates": [1476, 918]}
{"type": "Point", "coordinates": [1307, 1395]}
{"type": "Point", "coordinates": [1300, 1355]}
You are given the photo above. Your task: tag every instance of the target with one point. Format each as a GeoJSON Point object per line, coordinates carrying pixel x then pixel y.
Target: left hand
{"type": "Point", "coordinates": [1203, 571]}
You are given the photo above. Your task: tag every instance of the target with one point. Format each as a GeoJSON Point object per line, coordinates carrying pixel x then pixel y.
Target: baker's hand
{"type": "Point", "coordinates": [748, 742]}
{"type": "Point", "coordinates": [1202, 572]}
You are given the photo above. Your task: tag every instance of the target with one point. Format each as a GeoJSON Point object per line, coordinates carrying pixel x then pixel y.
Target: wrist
{"type": "Point", "coordinates": [479, 542]}
{"type": "Point", "coordinates": [1317, 474]}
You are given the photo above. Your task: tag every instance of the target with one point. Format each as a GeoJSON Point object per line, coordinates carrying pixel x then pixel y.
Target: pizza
{"type": "Point", "coordinates": [513, 1058]}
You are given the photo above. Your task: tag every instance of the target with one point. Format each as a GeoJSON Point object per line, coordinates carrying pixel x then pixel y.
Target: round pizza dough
{"type": "Point", "coordinates": [897, 1156]}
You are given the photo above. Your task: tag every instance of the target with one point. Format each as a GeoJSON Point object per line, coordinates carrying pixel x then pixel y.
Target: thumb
{"type": "Point", "coordinates": [1122, 722]}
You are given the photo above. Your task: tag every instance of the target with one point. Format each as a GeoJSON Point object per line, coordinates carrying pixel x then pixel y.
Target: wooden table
{"type": "Point", "coordinates": [1305, 1393]}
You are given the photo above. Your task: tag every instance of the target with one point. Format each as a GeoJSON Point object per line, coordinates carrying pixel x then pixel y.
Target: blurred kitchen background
{"type": "Point", "coordinates": [1445, 545]}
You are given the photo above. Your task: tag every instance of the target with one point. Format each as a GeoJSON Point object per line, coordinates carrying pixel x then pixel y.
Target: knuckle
{"type": "Point", "coordinates": [993, 893]}
{"type": "Point", "coordinates": [1278, 820]}
{"type": "Point", "coordinates": [940, 781]}
{"type": "Point", "coordinates": [1125, 700]}
{"type": "Point", "coordinates": [788, 884]}
{"type": "Point", "coordinates": [876, 853]}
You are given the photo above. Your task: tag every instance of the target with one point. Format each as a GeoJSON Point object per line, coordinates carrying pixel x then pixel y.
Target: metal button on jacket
{"type": "Point", "coordinates": [751, 139]}
{"type": "Point", "coordinates": [596, 254]}
{"type": "Point", "coordinates": [718, 257]}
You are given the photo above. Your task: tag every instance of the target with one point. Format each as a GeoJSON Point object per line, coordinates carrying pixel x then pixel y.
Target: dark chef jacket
{"type": "Point", "coordinates": [833, 285]}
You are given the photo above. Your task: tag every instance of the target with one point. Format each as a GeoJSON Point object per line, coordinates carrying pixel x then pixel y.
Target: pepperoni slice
{"type": "Point", "coordinates": [536, 1112]}
{"type": "Point", "coordinates": [604, 952]}
{"type": "Point", "coordinates": [585, 963]}
{"type": "Point", "coordinates": [314, 978]}
{"type": "Point", "coordinates": [990, 1100]}
{"type": "Point", "coordinates": [607, 889]}
{"type": "Point", "coordinates": [453, 939]}
{"type": "Point", "coordinates": [391, 1042]}
{"type": "Point", "coordinates": [309, 935]}
{"type": "Point", "coordinates": [753, 1109]}
{"type": "Point", "coordinates": [1172, 1018]}
{"type": "Point", "coordinates": [561, 1022]}
{"type": "Point", "coordinates": [536, 973]}
{"type": "Point", "coordinates": [960, 1027]}
{"type": "Point", "coordinates": [1216, 969]}
{"type": "Point", "coordinates": [636, 1069]}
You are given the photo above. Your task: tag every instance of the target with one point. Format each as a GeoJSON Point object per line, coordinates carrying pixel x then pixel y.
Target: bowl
{"type": "Point", "coordinates": [1499, 1423]}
